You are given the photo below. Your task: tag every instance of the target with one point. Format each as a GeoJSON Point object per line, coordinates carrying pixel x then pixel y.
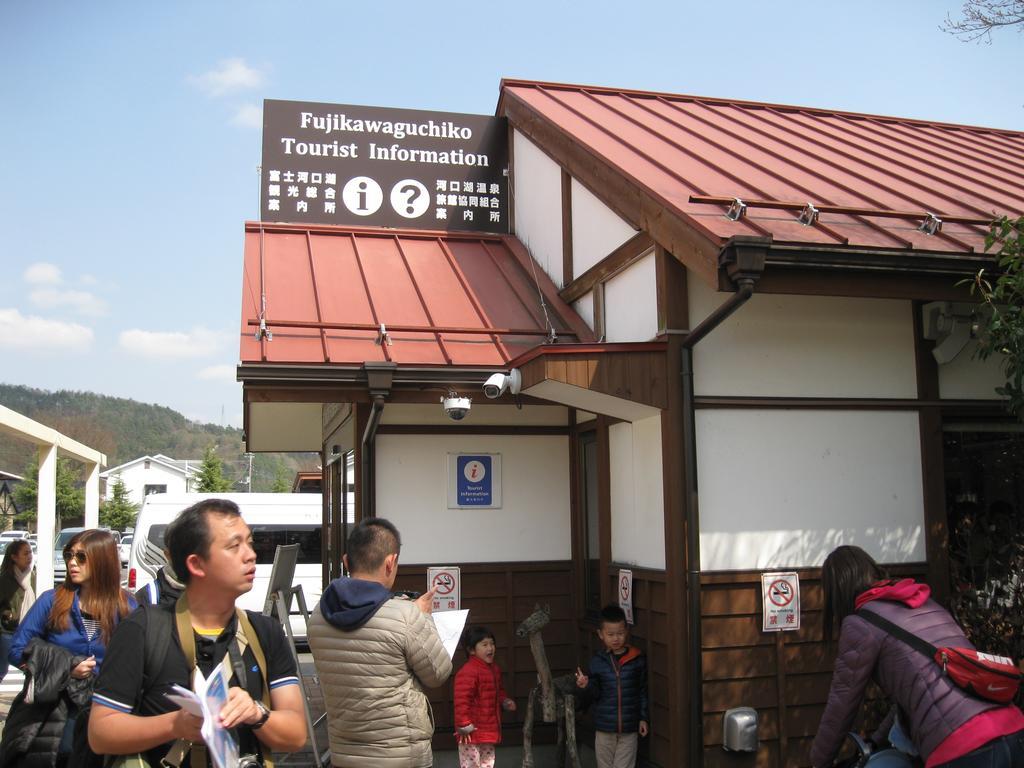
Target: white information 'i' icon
{"type": "Point", "coordinates": [474, 471]}
{"type": "Point", "coordinates": [409, 198]}
{"type": "Point", "coordinates": [362, 195]}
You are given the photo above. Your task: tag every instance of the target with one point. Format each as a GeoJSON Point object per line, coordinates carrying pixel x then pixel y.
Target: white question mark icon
{"type": "Point", "coordinates": [409, 198]}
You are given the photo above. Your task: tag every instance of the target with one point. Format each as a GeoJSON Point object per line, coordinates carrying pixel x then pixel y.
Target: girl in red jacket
{"type": "Point", "coordinates": [479, 699]}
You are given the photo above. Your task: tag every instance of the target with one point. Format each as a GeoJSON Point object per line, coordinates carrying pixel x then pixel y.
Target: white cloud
{"type": "Point", "coordinates": [42, 273]}
{"type": "Point", "coordinates": [89, 280]}
{"type": "Point", "coordinates": [18, 331]}
{"type": "Point", "coordinates": [248, 116]}
{"type": "Point", "coordinates": [217, 373]}
{"type": "Point", "coordinates": [229, 75]}
{"type": "Point", "coordinates": [172, 345]}
{"type": "Point", "coordinates": [82, 302]}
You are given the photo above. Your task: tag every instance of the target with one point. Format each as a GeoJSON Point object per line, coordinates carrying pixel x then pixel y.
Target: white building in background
{"type": "Point", "coordinates": [152, 474]}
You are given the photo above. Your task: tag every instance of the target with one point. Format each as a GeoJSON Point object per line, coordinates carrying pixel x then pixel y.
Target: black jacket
{"type": "Point", "coordinates": [618, 686]}
{"type": "Point", "coordinates": [9, 606]}
{"type": "Point", "coordinates": [33, 730]}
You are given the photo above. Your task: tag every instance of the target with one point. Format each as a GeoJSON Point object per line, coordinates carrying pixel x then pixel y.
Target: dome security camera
{"type": "Point", "coordinates": [456, 407]}
{"type": "Point", "coordinates": [498, 384]}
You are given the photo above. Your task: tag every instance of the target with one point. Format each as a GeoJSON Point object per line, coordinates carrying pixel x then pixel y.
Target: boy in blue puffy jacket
{"type": "Point", "coordinates": [616, 682]}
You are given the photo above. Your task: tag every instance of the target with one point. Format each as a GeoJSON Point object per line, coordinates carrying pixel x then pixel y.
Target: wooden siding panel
{"type": "Point", "coordinates": [499, 596]}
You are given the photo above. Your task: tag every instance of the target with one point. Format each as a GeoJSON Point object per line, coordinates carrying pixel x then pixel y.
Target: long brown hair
{"type": "Point", "coordinates": [7, 566]}
{"type": "Point", "coordinates": [106, 598]}
{"type": "Point", "coordinates": [846, 572]}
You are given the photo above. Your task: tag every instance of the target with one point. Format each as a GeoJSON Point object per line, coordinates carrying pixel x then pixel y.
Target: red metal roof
{"type": "Point", "coordinates": [873, 178]}
{"type": "Point", "coordinates": [444, 298]}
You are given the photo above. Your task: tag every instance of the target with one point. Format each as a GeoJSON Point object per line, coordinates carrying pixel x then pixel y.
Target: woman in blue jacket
{"type": "Point", "coordinates": [78, 616]}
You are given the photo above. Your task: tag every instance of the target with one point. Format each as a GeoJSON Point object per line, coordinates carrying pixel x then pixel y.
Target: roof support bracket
{"type": "Point", "coordinates": [809, 215]}
{"type": "Point", "coordinates": [382, 336]}
{"type": "Point", "coordinates": [931, 225]}
{"type": "Point", "coordinates": [737, 210]}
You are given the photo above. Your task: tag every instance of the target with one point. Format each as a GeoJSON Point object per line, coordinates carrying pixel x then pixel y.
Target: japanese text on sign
{"type": "Point", "coordinates": [343, 164]}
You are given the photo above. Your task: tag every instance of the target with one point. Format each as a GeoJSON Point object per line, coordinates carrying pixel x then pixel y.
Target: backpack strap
{"type": "Point", "coordinates": [918, 644]}
{"type": "Point", "coordinates": [157, 643]}
{"type": "Point", "coordinates": [246, 632]}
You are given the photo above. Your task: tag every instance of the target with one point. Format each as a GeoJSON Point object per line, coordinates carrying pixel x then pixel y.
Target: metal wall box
{"type": "Point", "coordinates": [739, 729]}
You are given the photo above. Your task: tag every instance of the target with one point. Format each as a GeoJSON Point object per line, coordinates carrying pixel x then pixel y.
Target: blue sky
{"type": "Point", "coordinates": [130, 135]}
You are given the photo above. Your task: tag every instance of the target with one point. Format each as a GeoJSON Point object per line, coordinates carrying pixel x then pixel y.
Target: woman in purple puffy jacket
{"type": "Point", "coordinates": [948, 726]}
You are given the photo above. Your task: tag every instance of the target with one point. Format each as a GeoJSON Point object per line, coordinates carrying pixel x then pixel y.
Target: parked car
{"type": "Point", "coordinates": [14, 535]}
{"type": "Point", "coordinates": [125, 548]}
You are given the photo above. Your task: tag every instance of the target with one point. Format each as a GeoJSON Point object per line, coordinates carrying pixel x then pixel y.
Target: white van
{"type": "Point", "coordinates": [275, 518]}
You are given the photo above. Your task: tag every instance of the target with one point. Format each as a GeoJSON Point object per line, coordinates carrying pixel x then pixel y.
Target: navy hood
{"type": "Point", "coordinates": [349, 603]}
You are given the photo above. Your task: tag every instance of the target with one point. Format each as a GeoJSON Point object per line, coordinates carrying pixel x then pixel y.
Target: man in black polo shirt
{"type": "Point", "coordinates": [211, 551]}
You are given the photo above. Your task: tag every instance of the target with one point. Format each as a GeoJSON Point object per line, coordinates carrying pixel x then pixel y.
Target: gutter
{"type": "Point", "coordinates": [743, 259]}
{"type": "Point", "coordinates": [379, 377]}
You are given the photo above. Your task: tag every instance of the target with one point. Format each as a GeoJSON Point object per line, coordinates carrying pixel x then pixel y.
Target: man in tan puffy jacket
{"type": "Point", "coordinates": [374, 654]}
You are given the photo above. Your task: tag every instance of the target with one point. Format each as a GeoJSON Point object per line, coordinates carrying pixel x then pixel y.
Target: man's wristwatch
{"type": "Point", "coordinates": [264, 716]}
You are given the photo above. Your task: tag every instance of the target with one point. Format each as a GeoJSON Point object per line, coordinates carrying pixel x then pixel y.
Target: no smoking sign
{"type": "Point", "coordinates": [781, 601]}
{"type": "Point", "coordinates": [446, 581]}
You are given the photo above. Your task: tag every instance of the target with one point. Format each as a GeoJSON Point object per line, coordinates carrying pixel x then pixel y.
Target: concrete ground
{"type": "Point", "coordinates": [507, 757]}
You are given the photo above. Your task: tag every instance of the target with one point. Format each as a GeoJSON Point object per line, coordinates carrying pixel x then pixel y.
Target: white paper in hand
{"type": "Point", "coordinates": [449, 628]}
{"type": "Point", "coordinates": [210, 696]}
{"type": "Point", "coordinates": [185, 699]}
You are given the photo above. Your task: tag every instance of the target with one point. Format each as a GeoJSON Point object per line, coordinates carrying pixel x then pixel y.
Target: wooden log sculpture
{"type": "Point", "coordinates": [557, 695]}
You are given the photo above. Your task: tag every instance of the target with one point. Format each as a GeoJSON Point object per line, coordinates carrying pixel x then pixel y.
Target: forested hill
{"type": "Point", "coordinates": [125, 429]}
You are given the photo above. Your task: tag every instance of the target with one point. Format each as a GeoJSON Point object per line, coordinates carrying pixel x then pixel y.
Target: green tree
{"type": "Point", "coordinates": [1002, 303]}
{"type": "Point", "coordinates": [70, 497]}
{"type": "Point", "coordinates": [119, 511]}
{"type": "Point", "coordinates": [281, 484]}
{"type": "Point", "coordinates": [211, 474]}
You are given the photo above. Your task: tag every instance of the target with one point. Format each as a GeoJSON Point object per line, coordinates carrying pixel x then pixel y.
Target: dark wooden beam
{"type": "Point", "coordinates": [469, 429]}
{"type": "Point", "coordinates": [673, 298]}
{"type": "Point", "coordinates": [566, 228]}
{"type": "Point", "coordinates": [933, 465]}
{"type": "Point", "coordinates": [616, 261]}
{"type": "Point", "coordinates": [674, 469]}
{"type": "Point", "coordinates": [821, 282]}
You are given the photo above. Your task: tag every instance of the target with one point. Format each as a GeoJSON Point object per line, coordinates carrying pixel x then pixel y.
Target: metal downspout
{"type": "Point", "coordinates": [744, 262]}
{"type": "Point", "coordinates": [366, 466]}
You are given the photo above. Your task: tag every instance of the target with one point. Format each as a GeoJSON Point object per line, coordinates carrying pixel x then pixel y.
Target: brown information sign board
{"type": "Point", "coordinates": [376, 166]}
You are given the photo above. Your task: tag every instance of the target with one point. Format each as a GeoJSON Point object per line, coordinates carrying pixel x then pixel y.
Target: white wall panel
{"type": "Point", "coordinates": [967, 377]}
{"type": "Point", "coordinates": [533, 523]}
{"type": "Point", "coordinates": [596, 229]}
{"type": "Point", "coordinates": [538, 205]}
{"type": "Point", "coordinates": [637, 500]}
{"type": "Point", "coordinates": [584, 307]}
{"type": "Point", "coordinates": [782, 489]}
{"type": "Point", "coordinates": [631, 303]}
{"type": "Point", "coordinates": [805, 346]}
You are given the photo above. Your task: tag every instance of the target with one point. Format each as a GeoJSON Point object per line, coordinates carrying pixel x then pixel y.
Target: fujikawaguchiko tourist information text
{"type": "Point", "coordinates": [375, 166]}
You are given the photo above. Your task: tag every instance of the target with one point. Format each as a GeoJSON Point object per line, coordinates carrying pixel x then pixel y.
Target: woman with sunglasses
{"type": "Point", "coordinates": [78, 617]}
{"type": "Point", "coordinates": [16, 594]}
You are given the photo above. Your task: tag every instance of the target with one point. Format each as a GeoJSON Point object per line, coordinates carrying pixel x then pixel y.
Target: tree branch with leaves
{"type": "Point", "coordinates": [1001, 323]}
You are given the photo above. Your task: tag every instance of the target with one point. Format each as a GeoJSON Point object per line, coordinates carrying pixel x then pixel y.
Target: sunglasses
{"type": "Point", "coordinates": [79, 557]}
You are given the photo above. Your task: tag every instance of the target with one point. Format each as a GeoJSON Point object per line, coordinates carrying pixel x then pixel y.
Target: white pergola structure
{"type": "Point", "coordinates": [49, 442]}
